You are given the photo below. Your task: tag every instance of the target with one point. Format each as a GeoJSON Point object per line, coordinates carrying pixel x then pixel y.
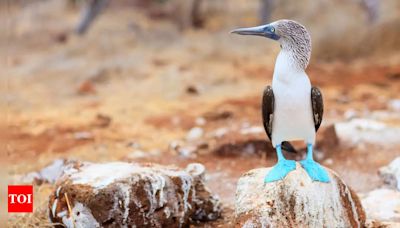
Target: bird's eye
{"type": "Point", "coordinates": [272, 29]}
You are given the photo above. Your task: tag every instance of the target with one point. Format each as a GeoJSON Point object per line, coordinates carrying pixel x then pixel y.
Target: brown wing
{"type": "Point", "coordinates": [317, 104]}
{"type": "Point", "coordinates": [268, 104]}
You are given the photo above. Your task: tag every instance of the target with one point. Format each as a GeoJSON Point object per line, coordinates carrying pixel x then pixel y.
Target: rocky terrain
{"type": "Point", "coordinates": [138, 89]}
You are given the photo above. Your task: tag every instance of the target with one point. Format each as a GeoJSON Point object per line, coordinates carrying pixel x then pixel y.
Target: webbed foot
{"type": "Point", "coordinates": [280, 170]}
{"type": "Point", "coordinates": [313, 169]}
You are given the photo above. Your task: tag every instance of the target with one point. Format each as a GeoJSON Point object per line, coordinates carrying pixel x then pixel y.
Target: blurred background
{"type": "Point", "coordinates": [164, 81]}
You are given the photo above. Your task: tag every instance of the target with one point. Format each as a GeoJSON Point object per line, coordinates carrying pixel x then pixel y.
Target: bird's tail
{"type": "Point", "coordinates": [288, 147]}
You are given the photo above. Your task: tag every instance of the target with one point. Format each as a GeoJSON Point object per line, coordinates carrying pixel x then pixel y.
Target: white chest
{"type": "Point", "coordinates": [293, 112]}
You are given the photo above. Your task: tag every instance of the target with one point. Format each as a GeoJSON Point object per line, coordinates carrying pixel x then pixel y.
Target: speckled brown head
{"type": "Point", "coordinates": [293, 37]}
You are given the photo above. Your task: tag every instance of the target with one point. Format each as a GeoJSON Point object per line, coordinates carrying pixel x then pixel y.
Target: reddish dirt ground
{"type": "Point", "coordinates": [95, 98]}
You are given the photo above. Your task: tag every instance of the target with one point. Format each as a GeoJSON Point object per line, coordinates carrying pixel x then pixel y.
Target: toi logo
{"type": "Point", "coordinates": [20, 198]}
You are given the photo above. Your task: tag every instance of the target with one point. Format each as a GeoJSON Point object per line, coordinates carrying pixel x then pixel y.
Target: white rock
{"type": "Point", "coordinates": [296, 201]}
{"type": "Point", "coordinates": [200, 121]}
{"type": "Point", "coordinates": [174, 145]}
{"type": "Point", "coordinates": [391, 173]}
{"type": "Point", "coordinates": [252, 130]}
{"type": "Point", "coordinates": [83, 135]}
{"type": "Point", "coordinates": [382, 205]}
{"type": "Point", "coordinates": [80, 215]}
{"type": "Point", "coordinates": [137, 154]}
{"type": "Point", "coordinates": [187, 151]}
{"type": "Point", "coordinates": [394, 104]}
{"type": "Point", "coordinates": [195, 133]}
{"type": "Point", "coordinates": [220, 132]}
{"type": "Point", "coordinates": [48, 174]}
{"type": "Point", "coordinates": [371, 131]}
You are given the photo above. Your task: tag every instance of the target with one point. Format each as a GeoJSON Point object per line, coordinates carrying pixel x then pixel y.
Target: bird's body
{"type": "Point", "coordinates": [293, 113]}
{"type": "Point", "coordinates": [291, 109]}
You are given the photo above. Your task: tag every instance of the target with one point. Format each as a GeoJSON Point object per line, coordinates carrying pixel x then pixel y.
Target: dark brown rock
{"type": "Point", "coordinates": [125, 194]}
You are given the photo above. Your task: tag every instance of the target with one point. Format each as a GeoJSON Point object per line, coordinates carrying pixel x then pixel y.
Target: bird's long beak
{"type": "Point", "coordinates": [263, 30]}
{"type": "Point", "coordinates": [255, 31]}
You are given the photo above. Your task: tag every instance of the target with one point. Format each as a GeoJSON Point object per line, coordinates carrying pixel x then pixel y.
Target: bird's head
{"type": "Point", "coordinates": [292, 36]}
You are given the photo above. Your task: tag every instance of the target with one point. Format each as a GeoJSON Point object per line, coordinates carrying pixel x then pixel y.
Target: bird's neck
{"type": "Point", "coordinates": [287, 68]}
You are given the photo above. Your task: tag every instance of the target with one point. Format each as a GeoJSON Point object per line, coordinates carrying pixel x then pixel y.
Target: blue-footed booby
{"type": "Point", "coordinates": [291, 109]}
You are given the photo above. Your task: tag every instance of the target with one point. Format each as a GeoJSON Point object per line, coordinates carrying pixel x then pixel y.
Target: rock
{"type": "Point", "coordinates": [391, 173]}
{"type": "Point", "coordinates": [195, 133]}
{"type": "Point", "coordinates": [371, 131]}
{"type": "Point", "coordinates": [252, 130]}
{"type": "Point", "coordinates": [394, 105]}
{"type": "Point", "coordinates": [200, 121]}
{"type": "Point", "coordinates": [48, 174]}
{"type": "Point", "coordinates": [102, 121]}
{"type": "Point", "coordinates": [186, 151]}
{"type": "Point", "coordinates": [86, 87]}
{"type": "Point", "coordinates": [378, 224]}
{"type": "Point", "coordinates": [220, 132]}
{"type": "Point", "coordinates": [137, 153]}
{"type": "Point", "coordinates": [122, 194]}
{"type": "Point", "coordinates": [296, 202]}
{"type": "Point", "coordinates": [193, 90]}
{"type": "Point", "coordinates": [329, 138]}
{"type": "Point", "coordinates": [83, 135]}
{"type": "Point", "coordinates": [382, 205]}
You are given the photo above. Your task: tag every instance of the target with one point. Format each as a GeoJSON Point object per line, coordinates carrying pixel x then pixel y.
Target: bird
{"type": "Point", "coordinates": [292, 108]}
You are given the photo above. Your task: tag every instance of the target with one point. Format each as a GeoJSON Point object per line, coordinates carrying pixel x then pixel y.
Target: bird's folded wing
{"type": "Point", "coordinates": [268, 104]}
{"type": "Point", "coordinates": [317, 104]}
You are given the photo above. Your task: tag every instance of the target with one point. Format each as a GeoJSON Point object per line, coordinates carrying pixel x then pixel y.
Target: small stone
{"type": "Point", "coordinates": [391, 173]}
{"type": "Point", "coordinates": [328, 161]}
{"type": "Point", "coordinates": [183, 150]}
{"type": "Point", "coordinates": [83, 135]}
{"type": "Point", "coordinates": [134, 145]}
{"type": "Point", "coordinates": [102, 121]}
{"type": "Point", "coordinates": [137, 154]}
{"type": "Point", "coordinates": [296, 201]}
{"type": "Point", "coordinates": [220, 132]}
{"type": "Point", "coordinates": [394, 105]}
{"type": "Point", "coordinates": [86, 87]}
{"type": "Point", "coordinates": [382, 205]}
{"type": "Point", "coordinates": [48, 174]}
{"type": "Point", "coordinates": [175, 145]}
{"type": "Point", "coordinates": [195, 133]}
{"type": "Point", "coordinates": [192, 90]}
{"type": "Point", "coordinates": [188, 151]}
{"type": "Point", "coordinates": [252, 130]}
{"type": "Point", "coordinates": [200, 121]}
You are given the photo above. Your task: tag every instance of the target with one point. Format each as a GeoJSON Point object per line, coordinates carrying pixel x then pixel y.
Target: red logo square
{"type": "Point", "coordinates": [20, 198]}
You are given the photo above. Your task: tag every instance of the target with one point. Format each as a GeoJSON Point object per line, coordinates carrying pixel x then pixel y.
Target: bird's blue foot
{"type": "Point", "coordinates": [281, 169]}
{"type": "Point", "coordinates": [314, 170]}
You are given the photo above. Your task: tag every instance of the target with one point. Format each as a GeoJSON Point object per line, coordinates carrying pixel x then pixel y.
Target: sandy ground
{"type": "Point", "coordinates": [137, 84]}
